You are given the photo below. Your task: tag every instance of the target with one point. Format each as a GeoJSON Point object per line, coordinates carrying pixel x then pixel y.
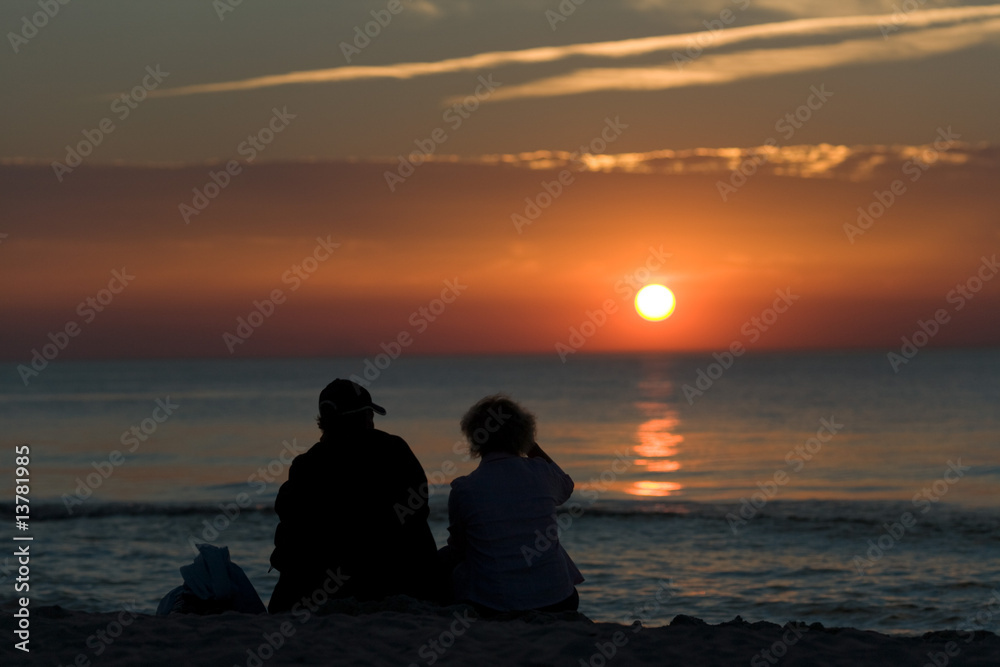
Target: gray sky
{"type": "Point", "coordinates": [682, 74]}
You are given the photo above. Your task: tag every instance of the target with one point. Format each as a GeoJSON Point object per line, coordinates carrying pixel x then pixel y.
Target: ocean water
{"type": "Point", "coordinates": [815, 487]}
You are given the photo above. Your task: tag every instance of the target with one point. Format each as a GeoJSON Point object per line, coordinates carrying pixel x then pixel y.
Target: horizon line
{"type": "Point", "coordinates": [801, 349]}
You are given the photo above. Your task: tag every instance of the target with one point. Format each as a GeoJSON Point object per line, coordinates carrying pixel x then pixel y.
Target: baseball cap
{"type": "Point", "coordinates": [344, 397]}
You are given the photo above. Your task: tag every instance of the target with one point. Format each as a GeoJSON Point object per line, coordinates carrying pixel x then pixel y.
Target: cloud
{"type": "Point", "coordinates": [790, 8]}
{"type": "Point", "coordinates": [847, 163]}
{"type": "Point", "coordinates": [742, 65]}
{"type": "Point", "coordinates": [829, 161]}
{"type": "Point", "coordinates": [973, 18]}
{"type": "Point", "coordinates": [425, 7]}
{"type": "Point", "coordinates": [827, 8]}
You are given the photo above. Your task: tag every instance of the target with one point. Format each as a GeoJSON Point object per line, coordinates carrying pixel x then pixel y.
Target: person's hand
{"type": "Point", "coordinates": [537, 452]}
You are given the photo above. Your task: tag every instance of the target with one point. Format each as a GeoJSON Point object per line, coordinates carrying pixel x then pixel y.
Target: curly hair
{"type": "Point", "coordinates": [498, 424]}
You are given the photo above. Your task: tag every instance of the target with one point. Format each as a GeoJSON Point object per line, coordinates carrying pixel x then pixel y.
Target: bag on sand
{"type": "Point", "coordinates": [212, 584]}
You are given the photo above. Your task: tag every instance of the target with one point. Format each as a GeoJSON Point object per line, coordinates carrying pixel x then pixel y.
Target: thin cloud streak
{"type": "Point", "coordinates": [721, 69]}
{"type": "Point", "coordinates": [617, 49]}
{"type": "Point", "coordinates": [850, 163]}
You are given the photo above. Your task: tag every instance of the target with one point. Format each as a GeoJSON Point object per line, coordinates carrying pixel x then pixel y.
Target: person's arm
{"type": "Point", "coordinates": [536, 452]}
{"type": "Point", "coordinates": [410, 488]}
{"type": "Point", "coordinates": [287, 534]}
{"type": "Point", "coordinates": [563, 482]}
{"type": "Point", "coordinates": [456, 529]}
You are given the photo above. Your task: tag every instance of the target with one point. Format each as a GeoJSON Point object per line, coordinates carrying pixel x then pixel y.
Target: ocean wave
{"type": "Point", "coordinates": [795, 515]}
{"type": "Point", "coordinates": [52, 511]}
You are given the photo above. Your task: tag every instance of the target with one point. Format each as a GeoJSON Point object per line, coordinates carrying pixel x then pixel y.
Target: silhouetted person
{"type": "Point", "coordinates": [353, 513]}
{"type": "Point", "coordinates": [503, 532]}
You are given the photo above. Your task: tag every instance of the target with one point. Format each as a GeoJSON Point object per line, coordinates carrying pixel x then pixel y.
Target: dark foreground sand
{"type": "Point", "coordinates": [404, 632]}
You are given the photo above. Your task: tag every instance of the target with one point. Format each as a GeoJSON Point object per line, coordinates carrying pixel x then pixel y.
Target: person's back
{"type": "Point", "coordinates": [341, 529]}
{"type": "Point", "coordinates": [506, 509]}
{"type": "Point", "coordinates": [504, 537]}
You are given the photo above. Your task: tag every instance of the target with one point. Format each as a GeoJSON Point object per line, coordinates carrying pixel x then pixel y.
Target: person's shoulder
{"type": "Point", "coordinates": [379, 433]}
{"type": "Point", "coordinates": [461, 489]}
{"type": "Point", "coordinates": [309, 454]}
{"type": "Point", "coordinates": [375, 435]}
{"type": "Point", "coordinates": [315, 450]}
{"type": "Point", "coordinates": [386, 445]}
{"type": "Point", "coordinates": [539, 465]}
{"type": "Point", "coordinates": [549, 470]}
{"type": "Point", "coordinates": [304, 460]}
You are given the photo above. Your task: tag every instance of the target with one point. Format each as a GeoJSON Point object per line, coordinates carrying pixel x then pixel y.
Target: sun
{"type": "Point", "coordinates": [655, 303]}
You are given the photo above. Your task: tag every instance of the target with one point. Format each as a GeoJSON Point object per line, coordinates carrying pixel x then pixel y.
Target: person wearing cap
{"type": "Point", "coordinates": [353, 513]}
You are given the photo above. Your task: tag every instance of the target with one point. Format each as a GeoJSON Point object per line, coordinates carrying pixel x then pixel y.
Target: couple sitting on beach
{"type": "Point", "coordinates": [353, 515]}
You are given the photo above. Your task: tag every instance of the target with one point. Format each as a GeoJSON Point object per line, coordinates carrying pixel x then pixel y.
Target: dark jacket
{"type": "Point", "coordinates": [353, 522]}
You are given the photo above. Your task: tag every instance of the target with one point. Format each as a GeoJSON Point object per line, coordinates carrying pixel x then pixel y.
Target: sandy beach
{"type": "Point", "coordinates": [401, 631]}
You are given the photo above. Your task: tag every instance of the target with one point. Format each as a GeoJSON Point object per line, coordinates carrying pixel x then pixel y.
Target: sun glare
{"type": "Point", "coordinates": [655, 302]}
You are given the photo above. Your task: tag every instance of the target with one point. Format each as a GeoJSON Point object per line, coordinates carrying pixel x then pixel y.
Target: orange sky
{"type": "Point", "coordinates": [645, 108]}
{"type": "Point", "coordinates": [524, 290]}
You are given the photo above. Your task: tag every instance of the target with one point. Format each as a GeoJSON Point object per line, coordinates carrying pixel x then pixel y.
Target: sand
{"type": "Point", "coordinates": [401, 631]}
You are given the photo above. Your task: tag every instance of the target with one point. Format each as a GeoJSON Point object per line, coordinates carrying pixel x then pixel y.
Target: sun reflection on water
{"type": "Point", "coordinates": [650, 488]}
{"type": "Point", "coordinates": [658, 445]}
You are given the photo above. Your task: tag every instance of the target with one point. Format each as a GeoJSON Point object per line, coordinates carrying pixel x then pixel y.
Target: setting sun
{"type": "Point", "coordinates": [655, 302]}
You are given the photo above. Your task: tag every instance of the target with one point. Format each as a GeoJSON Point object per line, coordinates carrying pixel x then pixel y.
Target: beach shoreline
{"type": "Point", "coordinates": [402, 631]}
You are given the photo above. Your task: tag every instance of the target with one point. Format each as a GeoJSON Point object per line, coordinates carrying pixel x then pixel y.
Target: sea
{"type": "Point", "coordinates": [824, 487]}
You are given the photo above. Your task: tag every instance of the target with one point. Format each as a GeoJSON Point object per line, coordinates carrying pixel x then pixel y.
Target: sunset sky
{"type": "Point", "coordinates": [486, 177]}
